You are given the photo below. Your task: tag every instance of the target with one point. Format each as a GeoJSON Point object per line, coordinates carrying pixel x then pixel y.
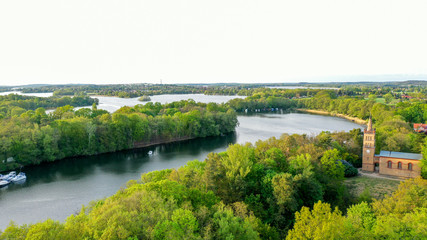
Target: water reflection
{"type": "Point", "coordinates": [129, 161]}
{"type": "Point", "coordinates": [112, 104]}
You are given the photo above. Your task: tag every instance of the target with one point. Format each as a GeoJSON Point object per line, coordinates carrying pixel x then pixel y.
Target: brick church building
{"type": "Point", "coordinates": [398, 164]}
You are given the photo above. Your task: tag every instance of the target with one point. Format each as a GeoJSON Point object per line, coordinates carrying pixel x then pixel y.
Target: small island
{"type": "Point", "coordinates": [144, 98]}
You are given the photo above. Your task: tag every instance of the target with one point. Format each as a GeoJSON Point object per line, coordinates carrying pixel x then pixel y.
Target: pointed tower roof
{"type": "Point", "coordinates": [369, 124]}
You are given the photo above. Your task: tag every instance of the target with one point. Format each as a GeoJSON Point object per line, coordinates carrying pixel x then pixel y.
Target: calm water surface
{"type": "Point", "coordinates": [28, 94]}
{"type": "Point", "coordinates": [112, 104]}
{"type": "Point", "coordinates": [58, 189]}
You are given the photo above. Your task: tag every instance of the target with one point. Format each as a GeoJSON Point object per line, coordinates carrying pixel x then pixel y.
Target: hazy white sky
{"type": "Point", "coordinates": [195, 41]}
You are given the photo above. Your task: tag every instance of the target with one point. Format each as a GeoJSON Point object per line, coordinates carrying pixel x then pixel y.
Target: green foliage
{"type": "Point", "coordinates": [228, 226]}
{"type": "Point", "coordinates": [238, 162]}
{"type": "Point", "coordinates": [14, 231]}
{"type": "Point", "coordinates": [320, 223]}
{"type": "Point", "coordinates": [331, 164]}
{"type": "Point", "coordinates": [247, 192]}
{"type": "Point", "coordinates": [258, 103]}
{"type": "Point", "coordinates": [285, 192]}
{"type": "Point", "coordinates": [401, 216]}
{"type": "Point", "coordinates": [388, 98]}
{"type": "Point", "coordinates": [35, 137]}
{"type": "Point", "coordinates": [136, 90]}
{"type": "Point", "coordinates": [183, 225]}
{"type": "Point", "coordinates": [366, 196]}
{"type": "Point", "coordinates": [276, 160]}
{"type": "Point", "coordinates": [144, 98]}
{"type": "Point", "coordinates": [394, 134]}
{"type": "Point", "coordinates": [46, 230]}
{"type": "Point", "coordinates": [360, 221]}
{"type": "Point", "coordinates": [423, 164]}
{"type": "Point", "coordinates": [391, 121]}
{"type": "Point", "coordinates": [349, 170]}
{"type": "Point", "coordinates": [15, 105]}
{"type": "Point", "coordinates": [300, 164]}
{"type": "Point", "coordinates": [345, 105]}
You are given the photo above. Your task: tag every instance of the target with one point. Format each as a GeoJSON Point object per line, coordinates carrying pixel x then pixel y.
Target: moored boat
{"type": "Point", "coordinates": [19, 178]}
{"type": "Point", "coordinates": [4, 183]}
{"type": "Point", "coordinates": [9, 176]}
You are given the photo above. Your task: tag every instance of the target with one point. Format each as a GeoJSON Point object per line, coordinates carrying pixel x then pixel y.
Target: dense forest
{"type": "Point", "coordinates": [14, 105]}
{"type": "Point", "coordinates": [34, 136]}
{"type": "Point", "coordinates": [291, 187]}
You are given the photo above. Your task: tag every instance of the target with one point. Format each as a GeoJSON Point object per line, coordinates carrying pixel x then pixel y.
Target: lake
{"type": "Point", "coordinates": [56, 190]}
{"type": "Point", "coordinates": [50, 94]}
{"type": "Point", "coordinates": [111, 104]}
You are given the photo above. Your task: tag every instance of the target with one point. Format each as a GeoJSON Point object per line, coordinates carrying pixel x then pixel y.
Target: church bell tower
{"type": "Point", "coordinates": [368, 148]}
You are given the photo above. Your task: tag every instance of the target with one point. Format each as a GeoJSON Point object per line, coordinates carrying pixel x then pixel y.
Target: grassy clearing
{"type": "Point", "coordinates": [382, 100]}
{"type": "Point", "coordinates": [376, 187]}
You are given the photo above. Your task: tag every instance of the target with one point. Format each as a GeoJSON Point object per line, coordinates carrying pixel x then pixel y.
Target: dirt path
{"type": "Point", "coordinates": [376, 175]}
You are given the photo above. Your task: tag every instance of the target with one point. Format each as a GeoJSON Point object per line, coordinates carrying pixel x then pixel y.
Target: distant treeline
{"type": "Point", "coordinates": [265, 99]}
{"type": "Point", "coordinates": [137, 90]}
{"type": "Point", "coordinates": [35, 136]}
{"type": "Point", "coordinates": [15, 105]}
{"type": "Point", "coordinates": [5, 89]}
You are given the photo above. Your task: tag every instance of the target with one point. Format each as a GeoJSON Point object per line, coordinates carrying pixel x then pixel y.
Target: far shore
{"type": "Point", "coordinates": [353, 119]}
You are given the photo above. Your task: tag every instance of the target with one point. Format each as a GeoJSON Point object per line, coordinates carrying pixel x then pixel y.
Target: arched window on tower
{"type": "Point", "coordinates": [410, 166]}
{"type": "Point", "coordinates": [389, 164]}
{"type": "Point", "coordinates": [399, 165]}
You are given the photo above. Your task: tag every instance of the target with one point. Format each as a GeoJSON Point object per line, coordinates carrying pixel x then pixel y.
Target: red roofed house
{"type": "Point", "coordinates": [419, 127]}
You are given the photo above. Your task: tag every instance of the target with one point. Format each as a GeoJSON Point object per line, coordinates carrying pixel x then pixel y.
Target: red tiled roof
{"type": "Point", "coordinates": [419, 127]}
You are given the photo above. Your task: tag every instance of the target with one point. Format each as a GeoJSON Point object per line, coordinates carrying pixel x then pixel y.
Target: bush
{"type": "Point", "coordinates": [349, 170]}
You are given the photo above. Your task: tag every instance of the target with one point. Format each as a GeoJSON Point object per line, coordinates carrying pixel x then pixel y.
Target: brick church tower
{"type": "Point", "coordinates": [368, 148]}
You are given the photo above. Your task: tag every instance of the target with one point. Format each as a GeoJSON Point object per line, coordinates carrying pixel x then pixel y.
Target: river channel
{"type": "Point", "coordinates": [56, 190]}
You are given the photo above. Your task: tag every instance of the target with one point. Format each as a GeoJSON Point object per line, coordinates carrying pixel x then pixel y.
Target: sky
{"type": "Point", "coordinates": [199, 41]}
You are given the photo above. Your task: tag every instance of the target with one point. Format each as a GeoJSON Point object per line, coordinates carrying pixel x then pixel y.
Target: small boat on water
{"type": "Point", "coordinates": [19, 178]}
{"type": "Point", "coordinates": [4, 183]}
{"type": "Point", "coordinates": [9, 176]}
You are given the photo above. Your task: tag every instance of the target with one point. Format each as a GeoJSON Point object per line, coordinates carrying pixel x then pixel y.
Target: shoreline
{"type": "Point", "coordinates": [142, 144]}
{"type": "Point", "coordinates": [321, 112]}
{"type": "Point", "coordinates": [136, 145]}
